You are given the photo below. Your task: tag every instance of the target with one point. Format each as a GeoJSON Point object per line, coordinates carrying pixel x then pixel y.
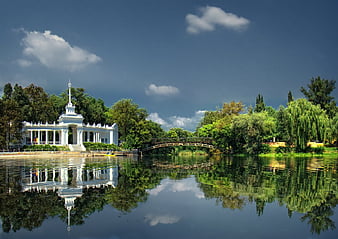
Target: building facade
{"type": "Point", "coordinates": [69, 131]}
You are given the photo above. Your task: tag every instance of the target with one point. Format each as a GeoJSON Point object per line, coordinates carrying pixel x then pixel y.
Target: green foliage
{"type": "Point", "coordinates": [100, 146]}
{"type": "Point", "coordinates": [142, 133]}
{"type": "Point", "coordinates": [282, 125]}
{"type": "Point", "coordinates": [228, 111]}
{"type": "Point", "coordinates": [283, 150]}
{"type": "Point", "coordinates": [307, 122]}
{"type": "Point", "coordinates": [290, 97]}
{"type": "Point", "coordinates": [178, 133]}
{"type": "Point", "coordinates": [248, 132]}
{"type": "Point", "coordinates": [44, 147]}
{"type": "Point", "coordinates": [126, 114]}
{"type": "Point", "coordinates": [260, 105]}
{"type": "Point", "coordinates": [206, 130]}
{"type": "Point", "coordinates": [319, 94]}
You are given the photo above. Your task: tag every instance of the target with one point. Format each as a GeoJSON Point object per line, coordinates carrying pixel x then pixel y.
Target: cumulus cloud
{"type": "Point", "coordinates": [24, 62]}
{"type": "Point", "coordinates": [213, 16]}
{"type": "Point", "coordinates": [164, 90]}
{"type": "Point", "coordinates": [186, 185]}
{"type": "Point", "coordinates": [187, 123]}
{"type": "Point", "coordinates": [54, 52]}
{"type": "Point", "coordinates": [161, 219]}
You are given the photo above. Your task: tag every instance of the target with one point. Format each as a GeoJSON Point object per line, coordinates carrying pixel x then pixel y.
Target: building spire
{"type": "Point", "coordinates": [69, 93]}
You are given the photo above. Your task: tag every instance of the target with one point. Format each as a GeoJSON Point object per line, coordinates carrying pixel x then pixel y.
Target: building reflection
{"type": "Point", "coordinates": [68, 180]}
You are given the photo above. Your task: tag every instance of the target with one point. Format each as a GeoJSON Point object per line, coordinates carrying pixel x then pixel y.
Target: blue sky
{"type": "Point", "coordinates": [175, 58]}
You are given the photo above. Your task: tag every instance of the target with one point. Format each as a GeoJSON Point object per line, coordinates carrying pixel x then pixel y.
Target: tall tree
{"type": "Point", "coordinates": [228, 111]}
{"type": "Point", "coordinates": [260, 105]}
{"type": "Point", "coordinates": [307, 122]}
{"type": "Point", "coordinates": [290, 97]}
{"type": "Point", "coordinates": [249, 131]}
{"type": "Point", "coordinates": [319, 93]}
{"type": "Point", "coordinates": [282, 124]}
{"type": "Point", "coordinates": [126, 114]}
{"type": "Point", "coordinates": [7, 91]}
{"type": "Point", "coordinates": [40, 108]}
{"type": "Point", "coordinates": [10, 123]}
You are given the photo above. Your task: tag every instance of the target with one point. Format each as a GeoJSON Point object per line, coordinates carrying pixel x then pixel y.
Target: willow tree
{"type": "Point", "coordinates": [306, 122]}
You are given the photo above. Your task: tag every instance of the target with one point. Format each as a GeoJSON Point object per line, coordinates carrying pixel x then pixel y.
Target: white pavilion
{"type": "Point", "coordinates": [69, 131]}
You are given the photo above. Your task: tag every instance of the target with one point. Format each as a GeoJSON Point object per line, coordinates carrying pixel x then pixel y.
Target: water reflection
{"type": "Point", "coordinates": [29, 180]}
{"type": "Point", "coordinates": [175, 189]}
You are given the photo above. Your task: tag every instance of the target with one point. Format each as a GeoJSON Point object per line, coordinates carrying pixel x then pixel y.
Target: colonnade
{"type": "Point", "coordinates": [54, 135]}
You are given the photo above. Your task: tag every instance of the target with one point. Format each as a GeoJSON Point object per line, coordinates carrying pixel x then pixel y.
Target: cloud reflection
{"type": "Point", "coordinates": [186, 185]}
{"type": "Point", "coordinates": [153, 220]}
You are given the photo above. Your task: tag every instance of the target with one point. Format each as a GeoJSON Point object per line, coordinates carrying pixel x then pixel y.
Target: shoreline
{"type": "Point", "coordinates": [60, 154]}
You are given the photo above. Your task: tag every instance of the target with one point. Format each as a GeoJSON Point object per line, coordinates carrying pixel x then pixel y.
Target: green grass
{"type": "Point", "coordinates": [331, 152]}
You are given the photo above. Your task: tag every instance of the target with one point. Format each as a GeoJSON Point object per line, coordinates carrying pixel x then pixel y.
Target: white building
{"type": "Point", "coordinates": [69, 131]}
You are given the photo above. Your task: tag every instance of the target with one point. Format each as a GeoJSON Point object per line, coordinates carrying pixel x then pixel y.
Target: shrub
{"type": "Point", "coordinates": [283, 150]}
{"type": "Point", "coordinates": [42, 147]}
{"type": "Point", "coordinates": [100, 146]}
{"type": "Point", "coordinates": [318, 150]}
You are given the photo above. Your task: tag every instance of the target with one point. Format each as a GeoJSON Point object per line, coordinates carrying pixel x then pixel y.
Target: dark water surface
{"type": "Point", "coordinates": [169, 198]}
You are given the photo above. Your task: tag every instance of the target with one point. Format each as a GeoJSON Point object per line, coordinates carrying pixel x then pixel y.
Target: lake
{"type": "Point", "coordinates": [169, 197]}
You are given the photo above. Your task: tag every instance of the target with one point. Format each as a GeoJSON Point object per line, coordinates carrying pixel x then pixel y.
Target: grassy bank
{"type": "Point", "coordinates": [331, 152]}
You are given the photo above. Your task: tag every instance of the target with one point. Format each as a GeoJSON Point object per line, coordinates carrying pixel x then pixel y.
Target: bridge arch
{"type": "Point", "coordinates": [157, 143]}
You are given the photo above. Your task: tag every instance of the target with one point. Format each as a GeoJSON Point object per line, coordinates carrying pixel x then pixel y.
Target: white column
{"type": "Point", "coordinates": [46, 141]}
{"type": "Point", "coordinates": [53, 137]}
{"type": "Point", "coordinates": [64, 136]}
{"type": "Point", "coordinates": [31, 132]}
{"type": "Point", "coordinates": [80, 136]}
{"type": "Point", "coordinates": [111, 137]}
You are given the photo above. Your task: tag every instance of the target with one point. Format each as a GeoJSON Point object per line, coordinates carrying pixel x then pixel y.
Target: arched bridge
{"type": "Point", "coordinates": [157, 143]}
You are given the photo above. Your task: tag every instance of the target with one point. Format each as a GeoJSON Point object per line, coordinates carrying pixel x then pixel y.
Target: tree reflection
{"type": "Point", "coordinates": [319, 216]}
{"type": "Point", "coordinates": [299, 184]}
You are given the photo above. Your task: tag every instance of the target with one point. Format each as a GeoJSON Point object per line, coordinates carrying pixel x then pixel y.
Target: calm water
{"type": "Point", "coordinates": [168, 198]}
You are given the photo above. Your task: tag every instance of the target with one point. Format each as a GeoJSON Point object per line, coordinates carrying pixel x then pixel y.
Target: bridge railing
{"type": "Point", "coordinates": [205, 140]}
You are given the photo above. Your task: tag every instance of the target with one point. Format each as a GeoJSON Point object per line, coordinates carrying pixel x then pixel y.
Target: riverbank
{"type": "Point", "coordinates": [64, 154]}
{"type": "Point", "coordinates": [329, 152]}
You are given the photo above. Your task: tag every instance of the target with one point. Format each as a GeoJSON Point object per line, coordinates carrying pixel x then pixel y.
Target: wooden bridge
{"type": "Point", "coordinates": [203, 142]}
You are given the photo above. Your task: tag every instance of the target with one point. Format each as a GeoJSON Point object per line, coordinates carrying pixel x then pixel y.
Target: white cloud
{"type": "Point", "coordinates": [163, 219]}
{"type": "Point", "coordinates": [178, 121]}
{"type": "Point", "coordinates": [164, 90]}
{"type": "Point", "coordinates": [24, 62]}
{"type": "Point", "coordinates": [213, 16]}
{"type": "Point", "coordinates": [185, 185]}
{"type": "Point", "coordinates": [157, 119]}
{"type": "Point", "coordinates": [54, 52]}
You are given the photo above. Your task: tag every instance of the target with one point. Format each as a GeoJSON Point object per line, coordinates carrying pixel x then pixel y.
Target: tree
{"type": "Point", "coordinates": [178, 133]}
{"type": "Point", "coordinates": [319, 94]}
{"type": "Point", "coordinates": [7, 91]}
{"type": "Point", "coordinates": [10, 123]}
{"type": "Point", "coordinates": [40, 108]}
{"type": "Point", "coordinates": [126, 114]}
{"type": "Point", "coordinates": [249, 131]}
{"type": "Point", "coordinates": [290, 97]}
{"type": "Point", "coordinates": [282, 124]}
{"type": "Point", "coordinates": [306, 122]}
{"type": "Point", "coordinates": [142, 134]}
{"type": "Point", "coordinates": [260, 105]}
{"type": "Point", "coordinates": [228, 111]}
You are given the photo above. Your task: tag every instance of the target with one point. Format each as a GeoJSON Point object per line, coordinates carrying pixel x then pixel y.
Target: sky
{"type": "Point", "coordinates": [175, 58]}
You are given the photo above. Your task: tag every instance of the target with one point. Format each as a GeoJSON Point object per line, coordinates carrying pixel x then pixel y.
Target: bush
{"type": "Point", "coordinates": [264, 149]}
{"type": "Point", "coordinates": [283, 150]}
{"type": "Point", "coordinates": [43, 147]}
{"type": "Point", "coordinates": [318, 150]}
{"type": "Point", "coordinates": [100, 146]}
